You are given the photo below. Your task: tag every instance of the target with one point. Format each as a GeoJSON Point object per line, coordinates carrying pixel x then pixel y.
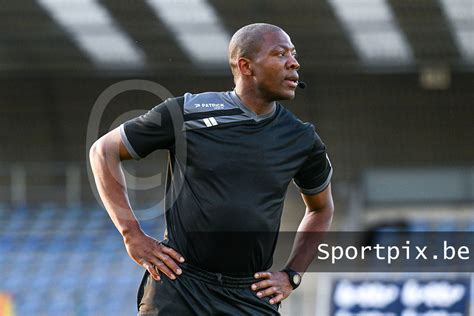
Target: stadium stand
{"type": "Point", "coordinates": [58, 261]}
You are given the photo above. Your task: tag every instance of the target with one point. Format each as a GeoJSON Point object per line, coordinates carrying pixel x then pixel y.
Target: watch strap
{"type": "Point", "coordinates": [295, 277]}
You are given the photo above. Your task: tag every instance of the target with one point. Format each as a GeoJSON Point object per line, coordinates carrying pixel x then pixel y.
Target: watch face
{"type": "Point", "coordinates": [296, 279]}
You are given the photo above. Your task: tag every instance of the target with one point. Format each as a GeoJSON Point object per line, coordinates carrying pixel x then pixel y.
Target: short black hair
{"type": "Point", "coordinates": [247, 40]}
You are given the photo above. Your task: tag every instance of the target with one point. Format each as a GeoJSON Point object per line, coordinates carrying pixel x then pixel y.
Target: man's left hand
{"type": "Point", "coordinates": [274, 284]}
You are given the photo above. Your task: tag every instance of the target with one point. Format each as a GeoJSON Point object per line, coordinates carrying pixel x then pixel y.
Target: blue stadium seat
{"type": "Point", "coordinates": [60, 261]}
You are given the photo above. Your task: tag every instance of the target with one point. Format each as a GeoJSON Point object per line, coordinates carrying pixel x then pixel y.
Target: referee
{"type": "Point", "coordinates": [242, 150]}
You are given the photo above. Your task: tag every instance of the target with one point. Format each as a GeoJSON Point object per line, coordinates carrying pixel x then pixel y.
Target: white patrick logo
{"type": "Point", "coordinates": [208, 105]}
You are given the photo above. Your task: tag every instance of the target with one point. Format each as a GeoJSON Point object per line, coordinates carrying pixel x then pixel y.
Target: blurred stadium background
{"type": "Point", "coordinates": [390, 89]}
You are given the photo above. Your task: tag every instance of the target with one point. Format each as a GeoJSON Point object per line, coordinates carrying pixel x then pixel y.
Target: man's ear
{"type": "Point", "coordinates": [244, 66]}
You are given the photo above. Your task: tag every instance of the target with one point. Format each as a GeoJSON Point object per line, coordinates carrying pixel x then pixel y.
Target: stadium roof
{"type": "Point", "coordinates": [156, 36]}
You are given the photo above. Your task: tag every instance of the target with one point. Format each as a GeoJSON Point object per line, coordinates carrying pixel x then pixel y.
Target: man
{"type": "Point", "coordinates": [242, 150]}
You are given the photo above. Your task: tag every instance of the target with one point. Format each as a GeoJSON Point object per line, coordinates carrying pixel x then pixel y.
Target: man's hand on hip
{"type": "Point", "coordinates": [275, 284]}
{"type": "Point", "coordinates": [153, 256]}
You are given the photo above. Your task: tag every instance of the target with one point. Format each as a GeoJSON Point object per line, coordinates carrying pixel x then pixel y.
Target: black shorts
{"type": "Point", "coordinates": [199, 292]}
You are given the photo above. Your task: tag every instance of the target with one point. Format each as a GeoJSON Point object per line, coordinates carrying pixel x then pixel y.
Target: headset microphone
{"type": "Point", "coordinates": [301, 84]}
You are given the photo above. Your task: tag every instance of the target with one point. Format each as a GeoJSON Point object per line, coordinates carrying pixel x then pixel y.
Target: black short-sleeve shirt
{"type": "Point", "coordinates": [226, 210]}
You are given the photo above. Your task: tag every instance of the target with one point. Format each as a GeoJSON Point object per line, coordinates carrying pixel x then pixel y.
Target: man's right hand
{"type": "Point", "coordinates": [153, 256]}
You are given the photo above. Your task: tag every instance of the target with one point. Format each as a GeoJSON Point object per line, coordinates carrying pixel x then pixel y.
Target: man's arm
{"type": "Point", "coordinates": [316, 221]}
{"type": "Point", "coordinates": [317, 218]}
{"type": "Point", "coordinates": [105, 156]}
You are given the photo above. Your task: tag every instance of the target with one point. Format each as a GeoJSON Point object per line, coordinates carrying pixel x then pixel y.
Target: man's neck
{"type": "Point", "coordinates": [255, 103]}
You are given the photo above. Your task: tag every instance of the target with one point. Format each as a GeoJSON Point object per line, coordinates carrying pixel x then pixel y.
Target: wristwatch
{"type": "Point", "coordinates": [295, 277]}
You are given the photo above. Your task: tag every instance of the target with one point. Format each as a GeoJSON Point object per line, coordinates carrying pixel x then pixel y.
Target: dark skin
{"type": "Point", "coordinates": [317, 218]}
{"type": "Point", "coordinates": [270, 76]}
{"type": "Point", "coordinates": [259, 83]}
{"type": "Point", "coordinates": [106, 155]}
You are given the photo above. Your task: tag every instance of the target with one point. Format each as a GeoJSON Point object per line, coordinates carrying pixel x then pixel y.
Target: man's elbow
{"type": "Point", "coordinates": [102, 152]}
{"type": "Point", "coordinates": [325, 214]}
{"type": "Point", "coordinates": [330, 211]}
{"type": "Point", "coordinates": [330, 207]}
{"type": "Point", "coordinates": [326, 211]}
{"type": "Point", "coordinates": [322, 209]}
{"type": "Point", "coordinates": [96, 151]}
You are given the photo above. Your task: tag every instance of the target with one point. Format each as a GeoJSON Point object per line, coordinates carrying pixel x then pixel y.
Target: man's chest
{"type": "Point", "coordinates": [269, 154]}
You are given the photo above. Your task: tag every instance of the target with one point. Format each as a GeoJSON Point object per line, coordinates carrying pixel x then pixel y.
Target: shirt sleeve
{"type": "Point", "coordinates": [150, 131]}
{"type": "Point", "coordinates": [316, 172]}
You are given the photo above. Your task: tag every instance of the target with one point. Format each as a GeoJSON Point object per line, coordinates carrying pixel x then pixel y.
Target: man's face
{"type": "Point", "coordinates": [274, 68]}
